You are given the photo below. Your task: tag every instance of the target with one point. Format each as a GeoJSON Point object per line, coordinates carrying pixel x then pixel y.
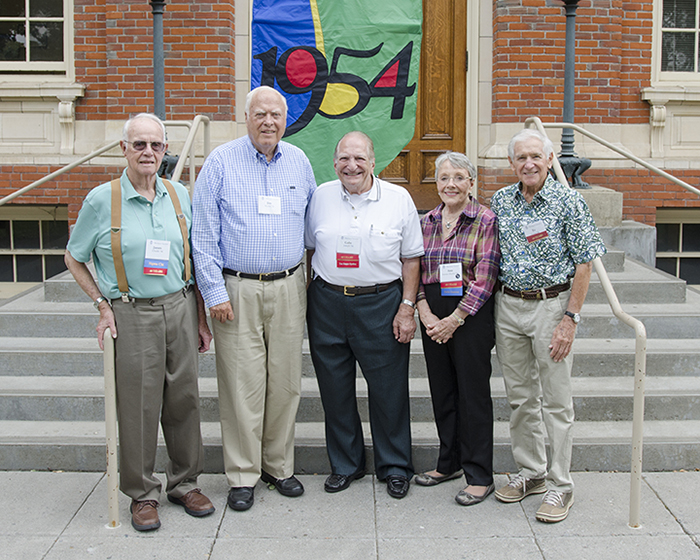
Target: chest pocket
{"type": "Point", "coordinates": [384, 244]}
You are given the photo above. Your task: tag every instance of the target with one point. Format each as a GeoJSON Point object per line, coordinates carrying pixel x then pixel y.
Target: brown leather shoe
{"type": "Point", "coordinates": [144, 515]}
{"type": "Point", "coordinates": [195, 503]}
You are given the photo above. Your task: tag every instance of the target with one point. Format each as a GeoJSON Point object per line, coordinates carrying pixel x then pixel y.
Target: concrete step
{"type": "Point", "coordinates": [80, 446]}
{"type": "Point", "coordinates": [638, 283]}
{"type": "Point", "coordinates": [593, 357]}
{"type": "Point", "coordinates": [595, 399]}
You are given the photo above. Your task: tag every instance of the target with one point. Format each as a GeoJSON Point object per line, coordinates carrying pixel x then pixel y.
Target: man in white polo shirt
{"type": "Point", "coordinates": [366, 241]}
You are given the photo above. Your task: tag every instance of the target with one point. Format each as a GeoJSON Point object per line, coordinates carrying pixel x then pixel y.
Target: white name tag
{"type": "Point", "coordinates": [534, 231]}
{"type": "Point", "coordinates": [269, 205]}
{"type": "Point", "coordinates": [451, 279]}
{"type": "Point", "coordinates": [155, 262]}
{"type": "Point", "coordinates": [347, 254]}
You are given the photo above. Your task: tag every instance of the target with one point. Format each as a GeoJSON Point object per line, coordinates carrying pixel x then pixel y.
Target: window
{"type": "Point", "coordinates": [678, 243]}
{"type": "Point", "coordinates": [32, 243]}
{"type": "Point", "coordinates": [679, 36]}
{"type": "Point", "coordinates": [34, 35]}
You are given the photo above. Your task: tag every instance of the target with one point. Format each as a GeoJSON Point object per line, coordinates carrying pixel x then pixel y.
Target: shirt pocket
{"type": "Point", "coordinates": [295, 199]}
{"type": "Point", "coordinates": [384, 244]}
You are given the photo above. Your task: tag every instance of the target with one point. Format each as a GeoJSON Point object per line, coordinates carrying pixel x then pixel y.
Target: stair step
{"type": "Point", "coordinates": [595, 399]}
{"type": "Point", "coordinates": [638, 283]}
{"type": "Point", "coordinates": [80, 446]}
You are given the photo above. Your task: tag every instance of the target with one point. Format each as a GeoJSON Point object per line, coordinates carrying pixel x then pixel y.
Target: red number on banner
{"type": "Point", "coordinates": [392, 81]}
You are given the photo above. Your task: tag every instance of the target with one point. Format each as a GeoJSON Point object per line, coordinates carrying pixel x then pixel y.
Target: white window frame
{"type": "Point", "coordinates": [53, 70]}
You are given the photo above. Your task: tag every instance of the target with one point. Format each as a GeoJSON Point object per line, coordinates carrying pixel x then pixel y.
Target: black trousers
{"type": "Point", "coordinates": [459, 373]}
{"type": "Point", "coordinates": [344, 331]}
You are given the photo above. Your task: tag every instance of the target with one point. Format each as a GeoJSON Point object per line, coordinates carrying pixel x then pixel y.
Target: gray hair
{"type": "Point", "coordinates": [149, 116]}
{"type": "Point", "coordinates": [365, 137]}
{"type": "Point", "coordinates": [253, 92]}
{"type": "Point", "coordinates": [458, 160]}
{"type": "Point", "coordinates": [526, 134]}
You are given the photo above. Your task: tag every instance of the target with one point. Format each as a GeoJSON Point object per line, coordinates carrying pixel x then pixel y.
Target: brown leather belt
{"type": "Point", "coordinates": [263, 277]}
{"type": "Point", "coordinates": [550, 292]}
{"type": "Point", "coordinates": [359, 290]}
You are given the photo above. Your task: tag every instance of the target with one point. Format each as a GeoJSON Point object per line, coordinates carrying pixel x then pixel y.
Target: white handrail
{"type": "Point", "coordinates": [111, 431]}
{"type": "Point", "coordinates": [189, 147]}
{"type": "Point", "coordinates": [640, 356]}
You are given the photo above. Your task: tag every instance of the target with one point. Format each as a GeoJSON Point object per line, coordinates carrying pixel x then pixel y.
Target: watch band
{"type": "Point", "coordinates": [98, 301]}
{"type": "Point", "coordinates": [409, 303]}
{"type": "Point", "coordinates": [575, 317]}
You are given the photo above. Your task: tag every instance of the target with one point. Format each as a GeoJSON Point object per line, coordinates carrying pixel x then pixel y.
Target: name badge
{"type": "Point", "coordinates": [269, 205]}
{"type": "Point", "coordinates": [157, 256]}
{"type": "Point", "coordinates": [347, 254]}
{"type": "Point", "coordinates": [534, 231]}
{"type": "Point", "coordinates": [451, 279]}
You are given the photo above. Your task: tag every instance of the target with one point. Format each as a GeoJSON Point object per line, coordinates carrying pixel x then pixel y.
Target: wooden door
{"type": "Point", "coordinates": [440, 114]}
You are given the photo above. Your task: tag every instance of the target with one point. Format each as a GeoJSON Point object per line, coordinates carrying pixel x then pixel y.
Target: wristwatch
{"type": "Point", "coordinates": [409, 303]}
{"type": "Point", "coordinates": [575, 317]}
{"type": "Point", "coordinates": [98, 301]}
{"type": "Point", "coordinates": [459, 319]}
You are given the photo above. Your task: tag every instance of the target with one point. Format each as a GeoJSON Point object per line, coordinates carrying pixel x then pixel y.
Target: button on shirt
{"type": "Point", "coordinates": [384, 219]}
{"type": "Point", "coordinates": [141, 220]}
{"type": "Point", "coordinates": [572, 236]}
{"type": "Point", "coordinates": [229, 232]}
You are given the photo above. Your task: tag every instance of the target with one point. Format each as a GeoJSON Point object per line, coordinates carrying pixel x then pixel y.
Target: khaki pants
{"type": "Point", "coordinates": [258, 365]}
{"type": "Point", "coordinates": [156, 376]}
{"type": "Point", "coordinates": [538, 388]}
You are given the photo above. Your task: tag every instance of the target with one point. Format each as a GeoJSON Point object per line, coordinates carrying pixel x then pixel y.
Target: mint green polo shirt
{"type": "Point", "coordinates": [141, 220]}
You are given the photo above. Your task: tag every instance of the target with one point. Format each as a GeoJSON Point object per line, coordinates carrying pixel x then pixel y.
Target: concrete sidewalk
{"type": "Point", "coordinates": [63, 516]}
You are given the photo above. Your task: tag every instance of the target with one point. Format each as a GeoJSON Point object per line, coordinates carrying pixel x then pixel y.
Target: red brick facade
{"type": "Point", "coordinates": [113, 58]}
{"type": "Point", "coordinates": [613, 60]}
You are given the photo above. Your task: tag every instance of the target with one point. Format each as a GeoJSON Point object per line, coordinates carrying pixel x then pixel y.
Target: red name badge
{"type": "Point", "coordinates": [347, 253]}
{"type": "Point", "coordinates": [347, 260]}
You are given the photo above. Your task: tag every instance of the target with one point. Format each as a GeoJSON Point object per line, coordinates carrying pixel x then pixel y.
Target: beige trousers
{"type": "Point", "coordinates": [258, 364]}
{"type": "Point", "coordinates": [537, 387]}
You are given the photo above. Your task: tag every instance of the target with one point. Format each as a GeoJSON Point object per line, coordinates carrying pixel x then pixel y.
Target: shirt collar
{"type": "Point", "coordinates": [470, 210]}
{"type": "Point", "coordinates": [261, 157]}
{"type": "Point", "coordinates": [128, 190]}
{"type": "Point", "coordinates": [374, 194]}
{"type": "Point", "coordinates": [545, 194]}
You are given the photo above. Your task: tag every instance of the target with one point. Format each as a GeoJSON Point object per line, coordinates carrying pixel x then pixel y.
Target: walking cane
{"type": "Point", "coordinates": [111, 431]}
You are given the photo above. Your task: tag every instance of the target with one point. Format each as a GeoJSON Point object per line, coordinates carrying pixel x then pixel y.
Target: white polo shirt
{"type": "Point", "coordinates": [381, 225]}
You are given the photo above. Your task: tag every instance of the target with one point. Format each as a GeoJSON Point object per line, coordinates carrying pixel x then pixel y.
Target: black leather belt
{"type": "Point", "coordinates": [550, 292]}
{"type": "Point", "coordinates": [359, 290]}
{"type": "Point", "coordinates": [263, 277]}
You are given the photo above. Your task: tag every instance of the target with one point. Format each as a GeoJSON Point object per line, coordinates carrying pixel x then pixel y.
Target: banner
{"type": "Point", "coordinates": [342, 66]}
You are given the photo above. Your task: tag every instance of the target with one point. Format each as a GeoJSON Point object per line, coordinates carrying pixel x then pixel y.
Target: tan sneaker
{"type": "Point", "coordinates": [555, 506]}
{"type": "Point", "coordinates": [519, 487]}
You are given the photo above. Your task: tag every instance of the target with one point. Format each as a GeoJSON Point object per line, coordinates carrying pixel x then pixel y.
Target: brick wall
{"type": "Point", "coordinates": [114, 58]}
{"type": "Point", "coordinates": [613, 57]}
{"type": "Point", "coordinates": [642, 190]}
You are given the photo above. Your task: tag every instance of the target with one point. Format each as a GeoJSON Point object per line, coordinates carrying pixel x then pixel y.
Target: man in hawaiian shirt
{"type": "Point", "coordinates": [548, 239]}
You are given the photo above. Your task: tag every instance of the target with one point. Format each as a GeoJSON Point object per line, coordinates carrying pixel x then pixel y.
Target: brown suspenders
{"type": "Point", "coordinates": [116, 235]}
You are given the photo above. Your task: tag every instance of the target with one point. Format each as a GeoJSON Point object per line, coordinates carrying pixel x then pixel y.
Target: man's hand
{"type": "Point", "coordinates": [562, 339]}
{"type": "Point", "coordinates": [204, 337]}
{"type": "Point", "coordinates": [222, 312]}
{"type": "Point", "coordinates": [106, 321]}
{"type": "Point", "coordinates": [404, 324]}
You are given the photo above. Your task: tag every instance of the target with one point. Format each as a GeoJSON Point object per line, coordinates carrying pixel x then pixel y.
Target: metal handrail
{"type": "Point", "coordinates": [188, 147]}
{"type": "Point", "coordinates": [640, 356]}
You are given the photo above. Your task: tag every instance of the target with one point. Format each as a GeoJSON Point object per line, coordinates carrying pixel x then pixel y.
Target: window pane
{"type": "Point", "coordinates": [5, 234]}
{"type": "Point", "coordinates": [667, 236]}
{"type": "Point", "coordinates": [690, 270]}
{"type": "Point", "coordinates": [12, 8]}
{"type": "Point", "coordinates": [678, 52]}
{"type": "Point", "coordinates": [45, 8]}
{"type": "Point", "coordinates": [691, 237]}
{"type": "Point", "coordinates": [46, 41]}
{"type": "Point", "coordinates": [54, 234]}
{"type": "Point", "coordinates": [29, 268]}
{"type": "Point", "coordinates": [679, 13]}
{"type": "Point", "coordinates": [667, 265]}
{"type": "Point", "coordinates": [54, 265]}
{"type": "Point", "coordinates": [26, 234]}
{"type": "Point", "coordinates": [6, 274]}
{"type": "Point", "coordinates": [12, 41]}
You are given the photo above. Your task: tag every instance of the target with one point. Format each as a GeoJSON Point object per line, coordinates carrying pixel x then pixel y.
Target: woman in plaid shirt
{"type": "Point", "coordinates": [455, 305]}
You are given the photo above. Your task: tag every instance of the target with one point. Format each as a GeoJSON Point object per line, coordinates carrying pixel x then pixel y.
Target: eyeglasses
{"type": "Point", "coordinates": [140, 145]}
{"type": "Point", "coordinates": [444, 179]}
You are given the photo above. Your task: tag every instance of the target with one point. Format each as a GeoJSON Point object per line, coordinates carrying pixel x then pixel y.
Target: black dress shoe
{"type": "Point", "coordinates": [290, 487]}
{"type": "Point", "coordinates": [240, 498]}
{"type": "Point", "coordinates": [338, 482]}
{"type": "Point", "coordinates": [397, 486]}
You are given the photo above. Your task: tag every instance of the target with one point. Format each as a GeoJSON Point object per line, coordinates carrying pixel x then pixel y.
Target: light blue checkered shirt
{"type": "Point", "coordinates": [227, 229]}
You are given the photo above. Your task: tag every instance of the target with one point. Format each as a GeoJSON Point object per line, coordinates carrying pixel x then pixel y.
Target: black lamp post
{"type": "Point", "coordinates": [158, 8]}
{"type": "Point", "coordinates": [572, 165]}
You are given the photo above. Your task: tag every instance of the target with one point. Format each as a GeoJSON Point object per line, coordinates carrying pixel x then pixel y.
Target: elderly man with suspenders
{"type": "Point", "coordinates": [136, 229]}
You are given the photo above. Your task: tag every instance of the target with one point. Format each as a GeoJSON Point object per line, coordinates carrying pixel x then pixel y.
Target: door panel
{"type": "Point", "coordinates": [440, 114]}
